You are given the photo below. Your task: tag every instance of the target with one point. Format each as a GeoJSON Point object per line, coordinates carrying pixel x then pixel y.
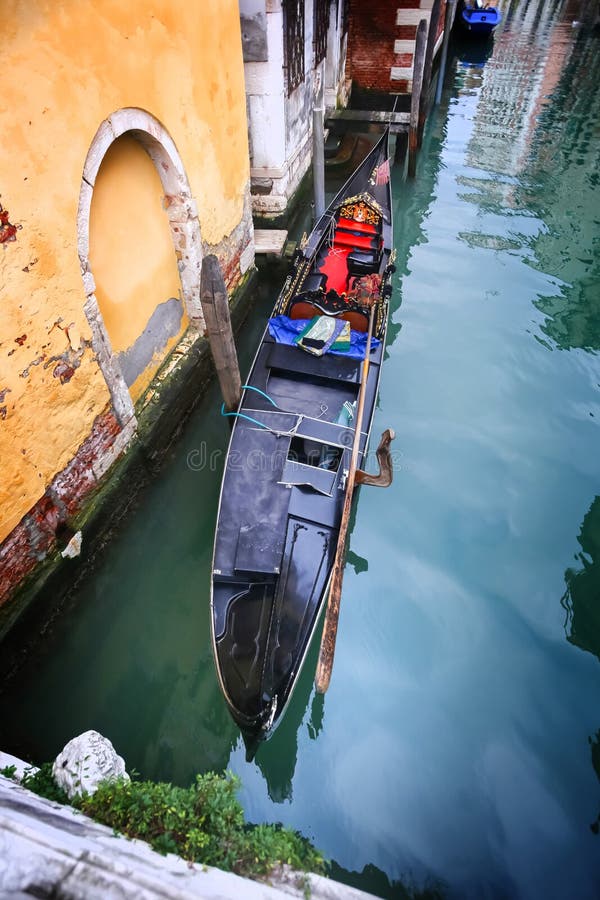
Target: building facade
{"type": "Point", "coordinates": [294, 61]}
{"type": "Point", "coordinates": [124, 161]}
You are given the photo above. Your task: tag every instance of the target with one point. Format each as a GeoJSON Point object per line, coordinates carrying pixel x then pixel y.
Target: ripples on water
{"type": "Point", "coordinates": [459, 742]}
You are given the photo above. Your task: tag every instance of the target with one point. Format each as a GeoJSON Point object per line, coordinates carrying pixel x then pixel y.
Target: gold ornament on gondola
{"type": "Point", "coordinates": [357, 209]}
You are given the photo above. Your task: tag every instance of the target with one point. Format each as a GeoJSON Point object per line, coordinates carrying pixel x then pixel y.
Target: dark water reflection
{"type": "Point", "coordinates": [459, 742]}
{"type": "Point", "coordinates": [581, 602]}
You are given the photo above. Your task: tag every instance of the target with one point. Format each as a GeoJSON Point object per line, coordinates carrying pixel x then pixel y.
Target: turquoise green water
{"type": "Point", "coordinates": [460, 738]}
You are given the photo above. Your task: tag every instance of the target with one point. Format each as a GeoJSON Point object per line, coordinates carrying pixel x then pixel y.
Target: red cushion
{"type": "Point", "coordinates": [365, 227]}
{"type": "Point", "coordinates": [362, 241]}
{"type": "Point", "coordinates": [335, 267]}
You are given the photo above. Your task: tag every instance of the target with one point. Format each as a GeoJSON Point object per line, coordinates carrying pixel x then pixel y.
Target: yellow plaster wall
{"type": "Point", "coordinates": [67, 66]}
{"type": "Point", "coordinates": [131, 251]}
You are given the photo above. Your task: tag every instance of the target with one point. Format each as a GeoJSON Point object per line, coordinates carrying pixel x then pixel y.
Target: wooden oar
{"type": "Point", "coordinates": [332, 613]}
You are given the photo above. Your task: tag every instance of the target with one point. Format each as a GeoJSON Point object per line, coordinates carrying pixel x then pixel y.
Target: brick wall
{"type": "Point", "coordinates": [36, 534]}
{"type": "Point", "coordinates": [382, 42]}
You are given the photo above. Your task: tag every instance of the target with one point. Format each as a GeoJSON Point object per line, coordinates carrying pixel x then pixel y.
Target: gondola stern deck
{"type": "Point", "coordinates": [262, 625]}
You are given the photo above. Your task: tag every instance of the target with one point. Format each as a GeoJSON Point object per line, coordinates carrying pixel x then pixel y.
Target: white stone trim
{"type": "Point", "coordinates": [411, 16]}
{"type": "Point", "coordinates": [247, 258]}
{"type": "Point", "coordinates": [119, 445]}
{"type": "Point", "coordinates": [397, 73]}
{"type": "Point", "coordinates": [183, 220]}
{"type": "Point", "coordinates": [404, 46]}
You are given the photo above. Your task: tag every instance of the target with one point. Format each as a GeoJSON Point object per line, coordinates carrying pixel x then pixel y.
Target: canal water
{"type": "Point", "coordinates": [459, 743]}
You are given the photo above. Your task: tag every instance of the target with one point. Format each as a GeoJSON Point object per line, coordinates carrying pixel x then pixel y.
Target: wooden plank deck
{"type": "Point", "coordinates": [354, 118]}
{"type": "Point", "coordinates": [269, 240]}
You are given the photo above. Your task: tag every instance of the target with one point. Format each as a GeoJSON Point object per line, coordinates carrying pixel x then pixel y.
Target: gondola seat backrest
{"type": "Point", "coordinates": [354, 225]}
{"type": "Point", "coordinates": [306, 309]}
{"type": "Point", "coordinates": [356, 241]}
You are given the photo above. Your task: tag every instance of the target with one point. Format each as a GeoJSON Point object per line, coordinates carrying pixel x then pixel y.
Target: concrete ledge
{"type": "Point", "coordinates": [49, 850]}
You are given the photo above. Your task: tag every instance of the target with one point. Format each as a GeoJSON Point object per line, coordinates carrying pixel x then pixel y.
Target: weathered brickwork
{"type": "Point", "coordinates": [371, 37]}
{"type": "Point", "coordinates": [374, 62]}
{"type": "Point", "coordinates": [406, 32]}
{"type": "Point", "coordinates": [35, 535]}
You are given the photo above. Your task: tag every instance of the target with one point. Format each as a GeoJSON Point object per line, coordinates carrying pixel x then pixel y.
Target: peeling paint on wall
{"type": "Point", "coordinates": [8, 232]}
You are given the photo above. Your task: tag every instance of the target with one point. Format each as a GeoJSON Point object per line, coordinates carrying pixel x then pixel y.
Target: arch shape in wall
{"type": "Point", "coordinates": [183, 222]}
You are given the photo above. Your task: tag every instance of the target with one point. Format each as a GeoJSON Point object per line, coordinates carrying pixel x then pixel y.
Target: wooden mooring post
{"type": "Point", "coordinates": [318, 136]}
{"type": "Point", "coordinates": [434, 20]}
{"type": "Point", "coordinates": [415, 102]}
{"type": "Point", "coordinates": [215, 306]}
{"type": "Point", "coordinates": [319, 161]}
{"type": "Point", "coordinates": [448, 22]}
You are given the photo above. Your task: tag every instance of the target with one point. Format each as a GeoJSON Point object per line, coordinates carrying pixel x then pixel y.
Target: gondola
{"type": "Point", "coordinates": [479, 20]}
{"type": "Point", "coordinates": [288, 459]}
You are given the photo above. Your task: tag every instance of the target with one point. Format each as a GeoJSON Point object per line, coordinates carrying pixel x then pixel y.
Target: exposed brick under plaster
{"type": "Point", "coordinates": [35, 535]}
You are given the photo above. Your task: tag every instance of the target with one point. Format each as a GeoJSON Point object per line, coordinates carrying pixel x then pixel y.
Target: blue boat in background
{"type": "Point", "coordinates": [479, 20]}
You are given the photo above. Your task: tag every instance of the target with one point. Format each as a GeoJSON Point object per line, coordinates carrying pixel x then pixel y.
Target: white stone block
{"type": "Point", "coordinates": [411, 16]}
{"type": "Point", "coordinates": [83, 221]}
{"type": "Point", "coordinates": [397, 73]}
{"type": "Point", "coordinates": [89, 283]}
{"type": "Point", "coordinates": [73, 548]}
{"type": "Point", "coordinates": [86, 761]}
{"type": "Point", "coordinates": [100, 144]}
{"type": "Point", "coordinates": [404, 46]}
{"type": "Point", "coordinates": [246, 258]}
{"type": "Point", "coordinates": [267, 129]}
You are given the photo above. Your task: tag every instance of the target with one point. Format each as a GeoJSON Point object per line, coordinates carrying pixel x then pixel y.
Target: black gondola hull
{"type": "Point", "coordinates": [285, 477]}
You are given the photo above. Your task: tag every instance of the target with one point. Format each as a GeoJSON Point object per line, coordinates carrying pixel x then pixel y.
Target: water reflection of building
{"type": "Point", "coordinates": [536, 118]}
{"type": "Point", "coordinates": [566, 155]}
{"type": "Point", "coordinates": [523, 73]}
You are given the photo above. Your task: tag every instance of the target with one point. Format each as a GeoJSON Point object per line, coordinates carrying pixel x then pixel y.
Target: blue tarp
{"type": "Point", "coordinates": [285, 331]}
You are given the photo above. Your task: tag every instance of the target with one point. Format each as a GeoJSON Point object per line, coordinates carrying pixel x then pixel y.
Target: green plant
{"type": "Point", "coordinates": [8, 771]}
{"type": "Point", "coordinates": [203, 823]}
{"type": "Point", "coordinates": [42, 782]}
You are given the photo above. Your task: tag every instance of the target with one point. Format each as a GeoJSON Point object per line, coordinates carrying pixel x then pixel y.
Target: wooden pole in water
{"type": "Point", "coordinates": [319, 150]}
{"type": "Point", "coordinates": [434, 20]}
{"type": "Point", "coordinates": [417, 81]}
{"type": "Point", "coordinates": [332, 614]}
{"type": "Point", "coordinates": [318, 162]}
{"type": "Point", "coordinates": [448, 22]}
{"type": "Point", "coordinates": [215, 306]}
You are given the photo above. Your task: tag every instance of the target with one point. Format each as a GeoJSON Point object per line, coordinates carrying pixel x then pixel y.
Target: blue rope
{"type": "Point", "coordinates": [250, 387]}
{"type": "Point", "coordinates": [244, 416]}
